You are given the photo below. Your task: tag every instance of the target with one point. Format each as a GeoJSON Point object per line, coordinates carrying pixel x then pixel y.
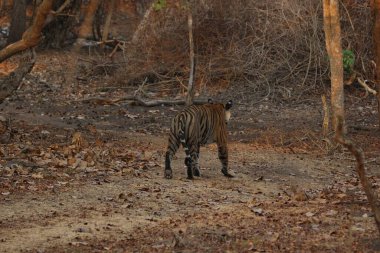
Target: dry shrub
{"type": "Point", "coordinates": [271, 48]}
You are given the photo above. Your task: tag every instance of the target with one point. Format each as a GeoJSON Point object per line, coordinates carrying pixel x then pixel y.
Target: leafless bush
{"type": "Point", "coordinates": [275, 48]}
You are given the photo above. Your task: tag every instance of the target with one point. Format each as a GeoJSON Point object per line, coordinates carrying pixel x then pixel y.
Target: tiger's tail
{"type": "Point", "coordinates": [182, 138]}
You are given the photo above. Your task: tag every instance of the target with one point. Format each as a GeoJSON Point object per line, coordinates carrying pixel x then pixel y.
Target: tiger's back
{"type": "Point", "coordinates": [195, 126]}
{"type": "Point", "coordinates": [200, 124]}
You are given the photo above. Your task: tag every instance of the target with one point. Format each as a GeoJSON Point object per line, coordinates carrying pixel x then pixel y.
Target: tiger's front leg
{"type": "Point", "coordinates": [168, 169]}
{"type": "Point", "coordinates": [223, 157]}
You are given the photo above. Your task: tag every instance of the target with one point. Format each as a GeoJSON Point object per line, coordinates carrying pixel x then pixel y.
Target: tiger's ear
{"type": "Point", "coordinates": [209, 101]}
{"type": "Point", "coordinates": [228, 105]}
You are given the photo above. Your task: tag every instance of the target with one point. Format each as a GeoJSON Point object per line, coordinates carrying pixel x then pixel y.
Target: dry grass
{"type": "Point", "coordinates": [272, 48]}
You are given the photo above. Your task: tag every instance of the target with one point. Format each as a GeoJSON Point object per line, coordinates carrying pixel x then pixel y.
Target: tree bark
{"type": "Point", "coordinates": [108, 21]}
{"type": "Point", "coordinates": [32, 35]}
{"type": "Point", "coordinates": [334, 50]}
{"type": "Point", "coordinates": [190, 87]}
{"type": "Point", "coordinates": [375, 4]}
{"type": "Point", "coordinates": [18, 22]}
{"type": "Point", "coordinates": [144, 22]}
{"type": "Point", "coordinates": [85, 29]}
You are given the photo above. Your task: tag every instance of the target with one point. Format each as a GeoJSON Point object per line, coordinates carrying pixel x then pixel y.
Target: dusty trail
{"type": "Point", "coordinates": [122, 206]}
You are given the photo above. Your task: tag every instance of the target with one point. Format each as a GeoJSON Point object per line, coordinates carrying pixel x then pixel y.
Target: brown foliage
{"type": "Point", "coordinates": [274, 47]}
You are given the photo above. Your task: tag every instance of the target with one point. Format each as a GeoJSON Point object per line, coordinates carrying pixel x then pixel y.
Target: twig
{"type": "Point", "coordinates": [326, 116]}
{"type": "Point", "coordinates": [366, 87]}
{"type": "Point", "coordinates": [141, 88]}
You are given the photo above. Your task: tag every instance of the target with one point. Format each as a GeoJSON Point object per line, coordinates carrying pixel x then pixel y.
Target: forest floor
{"type": "Point", "coordinates": [78, 176]}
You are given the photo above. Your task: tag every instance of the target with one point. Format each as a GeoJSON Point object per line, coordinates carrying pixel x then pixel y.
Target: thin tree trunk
{"type": "Point", "coordinates": [32, 35]}
{"type": "Point", "coordinates": [334, 50]}
{"type": "Point", "coordinates": [144, 22]}
{"type": "Point", "coordinates": [85, 29]}
{"type": "Point", "coordinates": [375, 4]}
{"type": "Point", "coordinates": [18, 22]}
{"type": "Point", "coordinates": [108, 21]}
{"type": "Point", "coordinates": [190, 87]}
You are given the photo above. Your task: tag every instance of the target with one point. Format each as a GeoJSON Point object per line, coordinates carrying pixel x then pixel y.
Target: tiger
{"type": "Point", "coordinates": [195, 126]}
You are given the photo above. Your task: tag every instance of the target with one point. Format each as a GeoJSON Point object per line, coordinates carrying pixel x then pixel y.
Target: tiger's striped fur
{"type": "Point", "coordinates": [195, 126]}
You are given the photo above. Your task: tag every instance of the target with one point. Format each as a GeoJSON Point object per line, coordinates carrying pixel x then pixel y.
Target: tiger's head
{"type": "Point", "coordinates": [227, 107]}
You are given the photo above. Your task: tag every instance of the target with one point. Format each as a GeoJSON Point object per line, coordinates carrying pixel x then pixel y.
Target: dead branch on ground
{"type": "Point", "coordinates": [138, 101]}
{"type": "Point", "coordinates": [366, 87]}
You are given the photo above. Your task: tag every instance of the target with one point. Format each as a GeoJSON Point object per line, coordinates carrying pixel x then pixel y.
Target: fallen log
{"type": "Point", "coordinates": [137, 101]}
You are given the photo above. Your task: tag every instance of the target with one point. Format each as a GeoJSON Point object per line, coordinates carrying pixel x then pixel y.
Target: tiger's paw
{"type": "Point", "coordinates": [168, 174]}
{"type": "Point", "coordinates": [196, 172]}
{"type": "Point", "coordinates": [227, 174]}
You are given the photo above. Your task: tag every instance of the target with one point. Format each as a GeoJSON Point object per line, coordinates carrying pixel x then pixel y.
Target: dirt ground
{"type": "Point", "coordinates": [79, 176]}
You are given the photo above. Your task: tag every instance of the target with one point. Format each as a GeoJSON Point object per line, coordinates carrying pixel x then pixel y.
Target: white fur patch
{"type": "Point", "coordinates": [228, 115]}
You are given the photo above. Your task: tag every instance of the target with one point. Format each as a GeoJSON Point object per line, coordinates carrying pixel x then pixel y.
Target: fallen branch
{"type": "Point", "coordinates": [366, 87]}
{"type": "Point", "coordinates": [159, 102]}
{"type": "Point", "coordinates": [137, 101]}
{"type": "Point", "coordinates": [359, 156]}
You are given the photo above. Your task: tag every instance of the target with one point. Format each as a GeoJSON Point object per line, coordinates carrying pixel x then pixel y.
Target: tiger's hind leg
{"type": "Point", "coordinates": [196, 171]}
{"type": "Point", "coordinates": [223, 157]}
{"type": "Point", "coordinates": [191, 160]}
{"type": "Point", "coordinates": [173, 146]}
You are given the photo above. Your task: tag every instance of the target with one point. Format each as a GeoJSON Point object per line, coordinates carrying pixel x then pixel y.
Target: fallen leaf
{"type": "Point", "coordinates": [331, 213]}
{"type": "Point", "coordinates": [257, 211]}
{"type": "Point", "coordinates": [37, 175]}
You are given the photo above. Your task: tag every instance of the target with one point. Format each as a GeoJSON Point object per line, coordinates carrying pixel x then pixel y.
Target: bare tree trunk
{"type": "Point", "coordinates": [144, 22]}
{"type": "Point", "coordinates": [85, 29]}
{"type": "Point", "coordinates": [32, 35]}
{"type": "Point", "coordinates": [108, 21]}
{"type": "Point", "coordinates": [375, 4]}
{"type": "Point", "coordinates": [18, 22]}
{"type": "Point", "coordinates": [334, 50]}
{"type": "Point", "coordinates": [190, 87]}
